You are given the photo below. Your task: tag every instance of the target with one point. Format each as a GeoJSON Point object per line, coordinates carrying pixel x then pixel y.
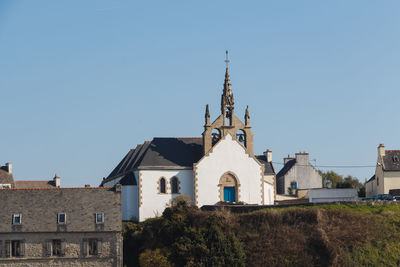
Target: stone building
{"type": "Point", "coordinates": [297, 173]}
{"type": "Point", "coordinates": [387, 173]}
{"type": "Point", "coordinates": [7, 180]}
{"type": "Point", "coordinates": [218, 167]}
{"type": "Point", "coordinates": [61, 227]}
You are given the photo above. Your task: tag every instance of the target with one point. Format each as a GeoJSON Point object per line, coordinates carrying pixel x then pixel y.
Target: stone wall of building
{"type": "Point", "coordinates": [35, 251]}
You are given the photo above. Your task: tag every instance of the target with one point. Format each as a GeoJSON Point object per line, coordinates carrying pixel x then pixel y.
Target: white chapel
{"type": "Point", "coordinates": [218, 167]}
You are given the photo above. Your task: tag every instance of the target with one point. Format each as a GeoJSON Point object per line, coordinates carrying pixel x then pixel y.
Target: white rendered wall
{"type": "Point", "coordinates": [154, 203]}
{"type": "Point", "coordinates": [305, 175]}
{"type": "Point", "coordinates": [130, 208]}
{"type": "Point", "coordinates": [228, 156]}
{"type": "Point", "coordinates": [268, 194]}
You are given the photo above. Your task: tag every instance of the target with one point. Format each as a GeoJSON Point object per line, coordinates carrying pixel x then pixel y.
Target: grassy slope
{"type": "Point", "coordinates": [329, 235]}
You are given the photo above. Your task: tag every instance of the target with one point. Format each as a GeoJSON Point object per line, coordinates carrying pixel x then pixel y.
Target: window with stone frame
{"type": "Point", "coordinates": [174, 185]}
{"type": "Point", "coordinates": [99, 218]}
{"type": "Point", "coordinates": [95, 245]}
{"type": "Point", "coordinates": [61, 218]}
{"type": "Point", "coordinates": [17, 218]}
{"type": "Point", "coordinates": [57, 247]}
{"type": "Point", "coordinates": [16, 248]}
{"type": "Point", "coordinates": [162, 186]}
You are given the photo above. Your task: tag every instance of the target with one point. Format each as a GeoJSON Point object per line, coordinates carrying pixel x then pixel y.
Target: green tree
{"type": "Point", "coordinates": [330, 179]}
{"type": "Point", "coordinates": [151, 258]}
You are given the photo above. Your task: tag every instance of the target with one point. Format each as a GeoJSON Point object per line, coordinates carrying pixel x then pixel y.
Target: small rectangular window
{"type": "Point", "coordinates": [62, 218]}
{"type": "Point", "coordinates": [15, 248]}
{"type": "Point", "coordinates": [56, 246]}
{"type": "Point", "coordinates": [93, 246]}
{"type": "Point", "coordinates": [17, 219]}
{"type": "Point", "coordinates": [99, 217]}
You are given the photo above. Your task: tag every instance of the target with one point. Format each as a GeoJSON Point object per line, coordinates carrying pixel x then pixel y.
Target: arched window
{"type": "Point", "coordinates": [241, 137]}
{"type": "Point", "coordinates": [215, 136]}
{"type": "Point", "coordinates": [162, 186]}
{"type": "Point", "coordinates": [174, 185]}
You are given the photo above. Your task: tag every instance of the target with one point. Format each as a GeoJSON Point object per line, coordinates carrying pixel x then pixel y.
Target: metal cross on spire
{"type": "Point", "coordinates": [226, 60]}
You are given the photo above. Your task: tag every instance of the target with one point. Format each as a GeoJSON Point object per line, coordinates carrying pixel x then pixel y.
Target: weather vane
{"type": "Point", "coordinates": [226, 60]}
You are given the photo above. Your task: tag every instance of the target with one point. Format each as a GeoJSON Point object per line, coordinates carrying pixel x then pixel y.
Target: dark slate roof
{"type": "Point", "coordinates": [160, 153]}
{"type": "Point", "coordinates": [269, 168]}
{"type": "Point", "coordinates": [5, 176]}
{"type": "Point", "coordinates": [389, 160]}
{"type": "Point", "coordinates": [172, 152]}
{"type": "Point", "coordinates": [286, 168]}
{"type": "Point", "coordinates": [128, 179]}
{"type": "Point", "coordinates": [39, 208]}
{"type": "Point", "coordinates": [20, 184]}
{"type": "Point", "coordinates": [371, 179]}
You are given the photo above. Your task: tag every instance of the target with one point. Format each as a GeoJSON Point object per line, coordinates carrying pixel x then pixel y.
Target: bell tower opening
{"type": "Point", "coordinates": [241, 137]}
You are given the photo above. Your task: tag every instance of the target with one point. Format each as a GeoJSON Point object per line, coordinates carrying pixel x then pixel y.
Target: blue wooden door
{"type": "Point", "coordinates": [229, 194]}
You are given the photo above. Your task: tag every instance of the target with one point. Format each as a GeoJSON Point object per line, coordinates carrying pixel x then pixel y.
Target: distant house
{"type": "Point", "coordinates": [297, 173]}
{"type": "Point", "coordinates": [387, 173]}
{"type": "Point", "coordinates": [7, 180]}
{"type": "Point", "coordinates": [61, 227]}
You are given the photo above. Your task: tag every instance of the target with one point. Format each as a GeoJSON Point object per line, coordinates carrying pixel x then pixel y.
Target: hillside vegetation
{"type": "Point", "coordinates": [330, 235]}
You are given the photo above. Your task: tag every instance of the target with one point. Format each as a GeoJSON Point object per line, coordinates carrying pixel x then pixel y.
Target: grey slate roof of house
{"type": "Point", "coordinates": [39, 209]}
{"type": "Point", "coordinates": [371, 179]}
{"type": "Point", "coordinates": [161, 152]}
{"type": "Point", "coordinates": [286, 168]}
{"type": "Point", "coordinates": [24, 184]}
{"type": "Point", "coordinates": [269, 168]}
{"type": "Point", "coordinates": [391, 160]}
{"type": "Point", "coordinates": [5, 176]}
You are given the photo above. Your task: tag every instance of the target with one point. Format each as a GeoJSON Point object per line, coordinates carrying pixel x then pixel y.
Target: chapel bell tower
{"type": "Point", "coordinates": [227, 122]}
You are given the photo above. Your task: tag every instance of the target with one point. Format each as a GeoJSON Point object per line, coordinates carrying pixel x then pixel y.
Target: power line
{"type": "Point", "coordinates": [333, 166]}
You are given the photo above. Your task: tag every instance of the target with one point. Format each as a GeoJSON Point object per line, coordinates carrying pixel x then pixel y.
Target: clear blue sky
{"type": "Point", "coordinates": [82, 82]}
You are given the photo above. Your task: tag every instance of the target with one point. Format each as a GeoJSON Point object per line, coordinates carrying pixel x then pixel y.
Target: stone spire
{"type": "Point", "coordinates": [227, 102]}
{"type": "Point", "coordinates": [207, 115]}
{"type": "Point", "coordinates": [247, 117]}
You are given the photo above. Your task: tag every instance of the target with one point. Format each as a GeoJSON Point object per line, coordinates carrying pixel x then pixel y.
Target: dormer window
{"type": "Point", "coordinates": [17, 218]}
{"type": "Point", "coordinates": [61, 218]}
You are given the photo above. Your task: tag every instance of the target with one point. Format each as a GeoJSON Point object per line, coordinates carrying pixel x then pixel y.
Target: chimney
{"type": "Point", "coordinates": [302, 158]}
{"type": "Point", "coordinates": [286, 160]}
{"type": "Point", "coordinates": [118, 187]}
{"type": "Point", "coordinates": [9, 167]}
{"type": "Point", "coordinates": [268, 155]}
{"type": "Point", "coordinates": [381, 150]}
{"type": "Point", "coordinates": [57, 180]}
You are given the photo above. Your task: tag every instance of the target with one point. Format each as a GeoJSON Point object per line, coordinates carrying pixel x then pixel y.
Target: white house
{"type": "Point", "coordinates": [387, 173]}
{"type": "Point", "coordinates": [219, 166]}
